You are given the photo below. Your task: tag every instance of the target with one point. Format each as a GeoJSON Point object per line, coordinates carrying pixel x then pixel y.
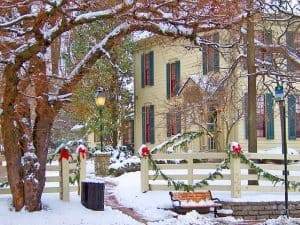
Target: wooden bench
{"type": "Point", "coordinates": [183, 202]}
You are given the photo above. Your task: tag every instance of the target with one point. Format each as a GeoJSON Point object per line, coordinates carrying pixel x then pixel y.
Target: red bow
{"type": "Point", "coordinates": [145, 151]}
{"type": "Point", "coordinates": [64, 154]}
{"type": "Point", "coordinates": [82, 151]}
{"type": "Point", "coordinates": [237, 149]}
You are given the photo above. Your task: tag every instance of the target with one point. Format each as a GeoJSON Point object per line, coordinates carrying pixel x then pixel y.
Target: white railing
{"type": "Point", "coordinates": [193, 167]}
{"type": "Point", "coordinates": [57, 176]}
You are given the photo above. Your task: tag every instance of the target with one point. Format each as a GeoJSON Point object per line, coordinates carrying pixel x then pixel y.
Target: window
{"type": "Point", "coordinates": [260, 117]}
{"type": "Point", "coordinates": [264, 116]}
{"type": "Point", "coordinates": [147, 67]}
{"type": "Point", "coordinates": [293, 42]}
{"type": "Point", "coordinates": [173, 123]}
{"type": "Point", "coordinates": [297, 116]}
{"type": "Point", "coordinates": [173, 79]}
{"type": "Point", "coordinates": [264, 37]}
{"type": "Point", "coordinates": [211, 127]}
{"type": "Point", "coordinates": [210, 56]}
{"type": "Point", "coordinates": [148, 124]}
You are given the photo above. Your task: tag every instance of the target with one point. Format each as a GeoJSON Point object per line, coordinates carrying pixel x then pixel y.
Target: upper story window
{"type": "Point", "coordinates": [265, 37]}
{"type": "Point", "coordinates": [147, 69]}
{"type": "Point", "coordinates": [210, 55]}
{"type": "Point", "coordinates": [293, 42]}
{"type": "Point", "coordinates": [173, 79]}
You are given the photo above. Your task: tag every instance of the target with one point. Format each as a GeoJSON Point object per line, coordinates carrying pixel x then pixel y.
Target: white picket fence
{"type": "Point", "coordinates": [234, 179]}
{"type": "Point", "coordinates": [57, 176]}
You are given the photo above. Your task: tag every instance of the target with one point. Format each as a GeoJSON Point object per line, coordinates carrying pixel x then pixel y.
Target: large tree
{"type": "Point", "coordinates": [33, 94]}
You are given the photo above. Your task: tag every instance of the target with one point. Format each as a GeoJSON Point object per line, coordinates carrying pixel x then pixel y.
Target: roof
{"type": "Point", "coordinates": [204, 82]}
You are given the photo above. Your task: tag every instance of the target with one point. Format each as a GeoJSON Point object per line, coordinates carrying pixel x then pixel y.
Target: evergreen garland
{"type": "Point", "coordinates": [181, 140]}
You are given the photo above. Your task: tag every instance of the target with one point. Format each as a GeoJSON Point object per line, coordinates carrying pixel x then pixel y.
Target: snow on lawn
{"type": "Point", "coordinates": [151, 204]}
{"type": "Point", "coordinates": [194, 218]}
{"type": "Point", "coordinates": [278, 150]}
{"type": "Point", "coordinates": [58, 212]}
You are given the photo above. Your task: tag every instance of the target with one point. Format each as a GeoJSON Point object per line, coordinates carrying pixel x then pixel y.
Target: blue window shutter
{"type": "Point", "coordinates": [177, 77]}
{"type": "Point", "coordinates": [246, 115]}
{"type": "Point", "coordinates": [143, 70]}
{"type": "Point", "coordinates": [152, 125]}
{"type": "Point", "coordinates": [204, 60]}
{"type": "Point", "coordinates": [151, 55]}
{"type": "Point", "coordinates": [216, 54]}
{"type": "Point", "coordinates": [143, 125]}
{"type": "Point", "coordinates": [292, 117]}
{"type": "Point", "coordinates": [168, 118]}
{"type": "Point", "coordinates": [269, 116]}
{"type": "Point", "coordinates": [178, 122]}
{"type": "Point", "coordinates": [168, 78]}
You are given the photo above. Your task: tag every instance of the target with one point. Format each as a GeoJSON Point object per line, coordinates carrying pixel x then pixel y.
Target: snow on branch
{"type": "Point", "coordinates": [17, 20]}
{"type": "Point", "coordinates": [92, 16]}
{"type": "Point", "coordinates": [60, 98]}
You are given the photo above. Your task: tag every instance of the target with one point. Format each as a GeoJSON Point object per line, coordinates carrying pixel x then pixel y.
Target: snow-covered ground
{"type": "Point", "coordinates": [57, 212]}
{"type": "Point", "coordinates": [151, 204]}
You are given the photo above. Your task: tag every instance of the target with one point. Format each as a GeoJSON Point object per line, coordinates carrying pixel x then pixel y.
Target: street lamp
{"type": "Point", "coordinates": [279, 97]}
{"type": "Point", "coordinates": [100, 101]}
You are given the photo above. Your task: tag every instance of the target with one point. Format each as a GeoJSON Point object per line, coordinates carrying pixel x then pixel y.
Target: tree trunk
{"type": "Point", "coordinates": [26, 148]}
{"type": "Point", "coordinates": [252, 134]}
{"type": "Point", "coordinates": [10, 137]}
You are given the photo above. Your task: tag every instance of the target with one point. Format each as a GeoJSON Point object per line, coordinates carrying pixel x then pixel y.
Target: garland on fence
{"type": "Point", "coordinates": [179, 185]}
{"type": "Point", "coordinates": [235, 151]}
{"type": "Point", "coordinates": [64, 153]}
{"type": "Point", "coordinates": [263, 173]}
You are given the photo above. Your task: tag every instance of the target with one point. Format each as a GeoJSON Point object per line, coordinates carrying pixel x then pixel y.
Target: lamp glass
{"type": "Point", "coordinates": [100, 100]}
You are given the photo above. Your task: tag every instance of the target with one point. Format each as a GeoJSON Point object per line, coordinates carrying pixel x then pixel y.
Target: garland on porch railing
{"type": "Point", "coordinates": [235, 151]}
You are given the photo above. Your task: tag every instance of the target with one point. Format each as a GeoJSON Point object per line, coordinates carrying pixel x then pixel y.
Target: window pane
{"type": "Point", "coordinates": [147, 69]}
{"type": "Point", "coordinates": [260, 116]}
{"type": "Point", "coordinates": [297, 116]}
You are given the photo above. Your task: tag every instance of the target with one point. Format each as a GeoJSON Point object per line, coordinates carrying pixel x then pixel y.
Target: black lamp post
{"type": "Point", "coordinates": [100, 101]}
{"type": "Point", "coordinates": [279, 97]}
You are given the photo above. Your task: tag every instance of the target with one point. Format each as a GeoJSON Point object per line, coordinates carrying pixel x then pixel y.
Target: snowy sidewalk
{"type": "Point", "coordinates": [111, 200]}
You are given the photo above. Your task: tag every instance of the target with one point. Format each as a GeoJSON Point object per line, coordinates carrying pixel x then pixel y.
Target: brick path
{"type": "Point", "coordinates": [111, 200]}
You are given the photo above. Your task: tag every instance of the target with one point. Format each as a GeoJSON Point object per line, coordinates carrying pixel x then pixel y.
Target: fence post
{"type": "Point", "coordinates": [190, 170]}
{"type": "Point", "coordinates": [235, 171]}
{"type": "Point", "coordinates": [64, 180]}
{"type": "Point", "coordinates": [82, 170]}
{"type": "Point", "coordinates": [145, 174]}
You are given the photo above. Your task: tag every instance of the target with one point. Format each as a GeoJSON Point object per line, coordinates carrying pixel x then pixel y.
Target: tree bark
{"type": "Point", "coordinates": [10, 137]}
{"type": "Point", "coordinates": [252, 135]}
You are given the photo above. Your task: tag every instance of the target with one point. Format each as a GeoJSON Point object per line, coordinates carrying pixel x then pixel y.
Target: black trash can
{"type": "Point", "coordinates": [92, 194]}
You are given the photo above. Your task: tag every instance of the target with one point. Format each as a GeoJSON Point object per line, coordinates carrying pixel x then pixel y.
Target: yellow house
{"type": "Point", "coordinates": [163, 66]}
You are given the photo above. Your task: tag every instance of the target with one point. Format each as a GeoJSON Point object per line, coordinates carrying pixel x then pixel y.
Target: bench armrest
{"type": "Point", "coordinates": [174, 200]}
{"type": "Point", "coordinates": [216, 199]}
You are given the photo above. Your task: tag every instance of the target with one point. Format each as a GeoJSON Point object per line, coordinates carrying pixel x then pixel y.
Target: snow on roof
{"type": "Point", "coordinates": [205, 83]}
{"type": "Point", "coordinates": [140, 35]}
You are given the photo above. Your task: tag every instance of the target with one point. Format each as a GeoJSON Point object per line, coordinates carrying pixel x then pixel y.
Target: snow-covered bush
{"type": "Point", "coordinates": [123, 165]}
